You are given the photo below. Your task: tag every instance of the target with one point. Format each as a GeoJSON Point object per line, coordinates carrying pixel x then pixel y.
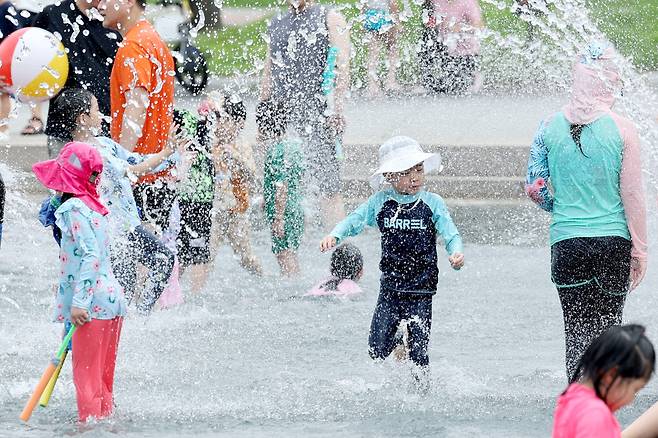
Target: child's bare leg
{"type": "Point", "coordinates": [199, 276]}
{"type": "Point", "coordinates": [239, 239]}
{"type": "Point", "coordinates": [374, 53]}
{"type": "Point", "coordinates": [391, 38]}
{"type": "Point", "coordinates": [401, 351]}
{"type": "Point", "coordinates": [288, 263]}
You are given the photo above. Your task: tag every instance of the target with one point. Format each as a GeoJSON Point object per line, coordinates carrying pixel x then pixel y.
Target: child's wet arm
{"type": "Point", "coordinates": [152, 163]}
{"type": "Point", "coordinates": [445, 226]}
{"type": "Point", "coordinates": [536, 185]}
{"type": "Point", "coordinates": [356, 221]}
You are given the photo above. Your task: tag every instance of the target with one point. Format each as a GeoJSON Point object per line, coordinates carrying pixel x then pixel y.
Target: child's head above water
{"type": "Point", "coordinates": [617, 364]}
{"type": "Point", "coordinates": [403, 165]}
{"type": "Point", "coordinates": [76, 109]}
{"type": "Point", "coordinates": [271, 119]}
{"type": "Point", "coordinates": [346, 264]}
{"type": "Point", "coordinates": [227, 113]}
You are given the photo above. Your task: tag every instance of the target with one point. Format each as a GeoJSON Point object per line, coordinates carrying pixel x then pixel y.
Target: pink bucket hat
{"type": "Point", "coordinates": [76, 170]}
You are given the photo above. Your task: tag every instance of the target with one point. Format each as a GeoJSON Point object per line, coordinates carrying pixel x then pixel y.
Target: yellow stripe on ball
{"type": "Point", "coordinates": [50, 80]}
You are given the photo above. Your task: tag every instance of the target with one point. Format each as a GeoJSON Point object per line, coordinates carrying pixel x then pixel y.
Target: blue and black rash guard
{"type": "Point", "coordinates": [409, 225]}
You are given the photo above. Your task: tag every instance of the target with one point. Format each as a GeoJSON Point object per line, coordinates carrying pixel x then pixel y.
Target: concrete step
{"type": "Point", "coordinates": [21, 152]}
{"type": "Point", "coordinates": [470, 171]}
{"type": "Point", "coordinates": [480, 160]}
{"type": "Point", "coordinates": [465, 187]}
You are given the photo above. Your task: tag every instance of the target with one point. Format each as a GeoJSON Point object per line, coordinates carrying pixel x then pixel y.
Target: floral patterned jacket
{"type": "Point", "coordinates": [86, 278]}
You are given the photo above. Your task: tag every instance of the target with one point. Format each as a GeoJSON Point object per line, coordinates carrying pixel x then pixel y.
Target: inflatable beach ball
{"type": "Point", "coordinates": [33, 64]}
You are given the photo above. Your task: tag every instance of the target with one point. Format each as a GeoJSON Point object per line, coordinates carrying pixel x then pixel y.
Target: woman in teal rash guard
{"type": "Point", "coordinates": [598, 232]}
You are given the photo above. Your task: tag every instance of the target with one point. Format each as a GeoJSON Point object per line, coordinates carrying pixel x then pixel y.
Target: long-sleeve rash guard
{"type": "Point", "coordinates": [409, 226]}
{"type": "Point", "coordinates": [620, 210]}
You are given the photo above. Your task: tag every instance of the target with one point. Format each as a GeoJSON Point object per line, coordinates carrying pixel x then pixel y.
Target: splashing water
{"type": "Point", "coordinates": [74, 25]}
{"type": "Point", "coordinates": [130, 63]}
{"type": "Point", "coordinates": [248, 357]}
{"type": "Point", "coordinates": [200, 23]}
{"type": "Point", "coordinates": [158, 75]}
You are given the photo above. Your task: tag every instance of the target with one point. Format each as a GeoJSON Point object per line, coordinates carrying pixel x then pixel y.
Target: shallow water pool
{"type": "Point", "coordinates": [249, 358]}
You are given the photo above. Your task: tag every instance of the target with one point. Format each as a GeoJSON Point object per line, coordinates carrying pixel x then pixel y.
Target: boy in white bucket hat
{"type": "Point", "coordinates": [409, 219]}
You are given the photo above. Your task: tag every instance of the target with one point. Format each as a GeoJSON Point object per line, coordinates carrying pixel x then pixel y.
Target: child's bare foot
{"type": "Point", "coordinates": [374, 90]}
{"type": "Point", "coordinates": [401, 351]}
{"type": "Point", "coordinates": [393, 87]}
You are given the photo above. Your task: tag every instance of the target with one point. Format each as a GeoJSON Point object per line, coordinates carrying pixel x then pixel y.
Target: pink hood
{"type": "Point", "coordinates": [76, 170]}
{"type": "Point", "coordinates": [596, 81]}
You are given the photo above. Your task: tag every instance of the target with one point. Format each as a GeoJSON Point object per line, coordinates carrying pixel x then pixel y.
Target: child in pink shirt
{"type": "Point", "coordinates": [613, 369]}
{"type": "Point", "coordinates": [346, 270]}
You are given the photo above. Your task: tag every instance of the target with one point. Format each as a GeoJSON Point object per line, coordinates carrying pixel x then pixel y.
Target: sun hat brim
{"type": "Point", "coordinates": [432, 164]}
{"type": "Point", "coordinates": [52, 176]}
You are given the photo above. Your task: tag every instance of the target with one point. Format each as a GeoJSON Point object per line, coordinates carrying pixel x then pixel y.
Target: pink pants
{"type": "Point", "coordinates": [94, 357]}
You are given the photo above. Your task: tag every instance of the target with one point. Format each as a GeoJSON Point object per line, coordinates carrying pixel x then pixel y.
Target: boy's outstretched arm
{"type": "Point", "coordinates": [355, 222]}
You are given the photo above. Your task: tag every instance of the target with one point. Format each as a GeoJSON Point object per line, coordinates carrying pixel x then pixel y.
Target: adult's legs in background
{"type": "Point", "coordinates": [588, 311]}
{"type": "Point", "coordinates": [390, 40]}
{"type": "Point", "coordinates": [375, 46]}
{"type": "Point", "coordinates": [322, 175]}
{"type": "Point", "coordinates": [591, 276]}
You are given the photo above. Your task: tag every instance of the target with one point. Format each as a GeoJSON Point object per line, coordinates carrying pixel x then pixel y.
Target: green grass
{"type": "Point", "coordinates": [234, 49]}
{"type": "Point", "coordinates": [630, 24]}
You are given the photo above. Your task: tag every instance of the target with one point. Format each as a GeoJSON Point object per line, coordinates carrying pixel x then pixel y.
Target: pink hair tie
{"type": "Point", "coordinates": [205, 108]}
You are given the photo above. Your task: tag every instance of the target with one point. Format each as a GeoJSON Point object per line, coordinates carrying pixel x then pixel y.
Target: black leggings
{"type": "Point", "coordinates": [591, 275]}
{"type": "Point", "coordinates": [148, 250]}
{"type": "Point", "coordinates": [392, 308]}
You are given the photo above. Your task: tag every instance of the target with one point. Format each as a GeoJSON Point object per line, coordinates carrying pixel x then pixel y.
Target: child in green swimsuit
{"type": "Point", "coordinates": [195, 197]}
{"type": "Point", "coordinates": [282, 191]}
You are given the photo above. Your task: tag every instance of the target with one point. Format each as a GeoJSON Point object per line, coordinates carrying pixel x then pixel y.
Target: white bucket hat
{"type": "Point", "coordinates": [400, 153]}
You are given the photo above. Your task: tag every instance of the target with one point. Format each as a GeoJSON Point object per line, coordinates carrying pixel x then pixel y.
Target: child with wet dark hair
{"type": "Point", "coordinates": [346, 270]}
{"type": "Point", "coordinates": [615, 366]}
{"type": "Point", "coordinates": [196, 192]}
{"type": "Point", "coordinates": [282, 185]}
{"type": "Point", "coordinates": [131, 243]}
